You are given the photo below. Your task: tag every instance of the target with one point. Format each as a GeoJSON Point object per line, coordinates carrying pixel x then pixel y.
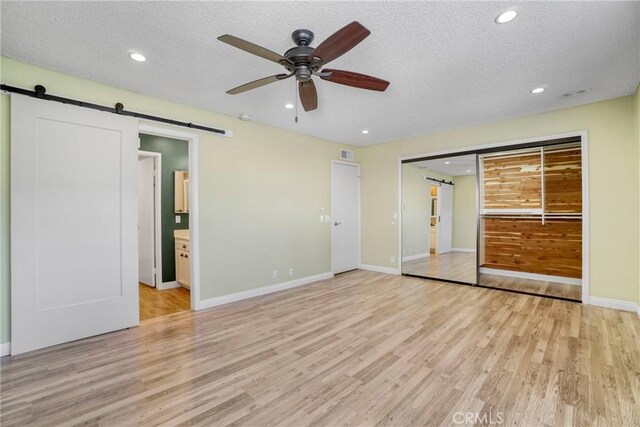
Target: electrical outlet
{"type": "Point", "coordinates": [275, 274]}
{"type": "Point", "coordinates": [392, 259]}
{"type": "Point", "coordinates": [291, 272]}
{"type": "Point", "coordinates": [321, 218]}
{"type": "Point", "coordinates": [178, 219]}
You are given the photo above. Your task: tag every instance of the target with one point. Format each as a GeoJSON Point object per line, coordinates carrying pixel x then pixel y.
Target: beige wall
{"type": "Point", "coordinates": [465, 207]}
{"type": "Point", "coordinates": [261, 192]}
{"type": "Point", "coordinates": [637, 128]}
{"type": "Point", "coordinates": [415, 211]}
{"type": "Point", "coordinates": [613, 158]}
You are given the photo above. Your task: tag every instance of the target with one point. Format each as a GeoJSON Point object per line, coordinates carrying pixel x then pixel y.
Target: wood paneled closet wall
{"type": "Point", "coordinates": [531, 210]}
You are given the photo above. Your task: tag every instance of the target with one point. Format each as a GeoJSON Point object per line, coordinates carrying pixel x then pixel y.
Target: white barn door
{"type": "Point", "coordinates": [74, 271]}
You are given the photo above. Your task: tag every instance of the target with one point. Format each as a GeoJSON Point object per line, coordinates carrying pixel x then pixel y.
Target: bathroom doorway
{"type": "Point", "coordinates": [167, 204]}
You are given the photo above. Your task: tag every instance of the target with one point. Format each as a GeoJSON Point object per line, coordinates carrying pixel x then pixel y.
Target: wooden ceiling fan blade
{"type": "Point", "coordinates": [308, 95]}
{"type": "Point", "coordinates": [252, 48]}
{"type": "Point", "coordinates": [340, 42]}
{"type": "Point", "coordinates": [349, 78]}
{"type": "Point", "coordinates": [257, 83]}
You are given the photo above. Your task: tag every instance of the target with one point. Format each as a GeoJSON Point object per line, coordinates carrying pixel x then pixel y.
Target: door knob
{"type": "Point", "coordinates": [337, 223]}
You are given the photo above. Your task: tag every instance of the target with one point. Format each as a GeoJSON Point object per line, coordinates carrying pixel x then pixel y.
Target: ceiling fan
{"type": "Point", "coordinates": [304, 62]}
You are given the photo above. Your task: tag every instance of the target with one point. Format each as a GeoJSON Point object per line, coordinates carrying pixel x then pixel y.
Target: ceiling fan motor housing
{"type": "Point", "coordinates": [302, 37]}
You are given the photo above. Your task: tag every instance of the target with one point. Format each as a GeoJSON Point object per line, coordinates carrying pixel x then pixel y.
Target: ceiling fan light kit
{"type": "Point", "coordinates": [304, 62]}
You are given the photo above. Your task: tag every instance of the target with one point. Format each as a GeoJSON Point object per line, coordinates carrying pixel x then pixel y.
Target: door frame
{"type": "Point", "coordinates": [432, 183]}
{"type": "Point", "coordinates": [194, 225]}
{"type": "Point", "coordinates": [157, 213]}
{"type": "Point", "coordinates": [332, 219]}
{"type": "Point", "coordinates": [584, 146]}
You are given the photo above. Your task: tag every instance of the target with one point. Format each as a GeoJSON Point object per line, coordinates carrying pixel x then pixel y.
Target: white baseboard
{"type": "Point", "coordinates": [378, 269]}
{"type": "Point", "coordinates": [532, 276]}
{"type": "Point", "coordinates": [615, 304]}
{"type": "Point", "coordinates": [169, 285]}
{"type": "Point", "coordinates": [226, 299]}
{"type": "Point", "coordinates": [414, 257]}
{"type": "Point", "coordinates": [463, 250]}
{"type": "Point", "coordinates": [5, 349]}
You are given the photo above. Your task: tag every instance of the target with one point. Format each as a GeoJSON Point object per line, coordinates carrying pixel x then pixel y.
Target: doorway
{"type": "Point", "coordinates": [345, 224]}
{"type": "Point", "coordinates": [149, 218]}
{"type": "Point", "coordinates": [175, 204]}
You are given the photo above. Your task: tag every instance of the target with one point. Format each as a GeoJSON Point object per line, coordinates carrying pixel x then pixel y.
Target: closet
{"type": "Point", "coordinates": [531, 220]}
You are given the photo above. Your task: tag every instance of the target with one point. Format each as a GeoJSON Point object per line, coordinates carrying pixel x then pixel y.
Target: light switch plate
{"type": "Point", "coordinates": [327, 218]}
{"type": "Point", "coordinates": [178, 219]}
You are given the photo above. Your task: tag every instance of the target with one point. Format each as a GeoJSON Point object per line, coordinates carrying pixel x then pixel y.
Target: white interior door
{"type": "Point", "coordinates": [74, 255]}
{"type": "Point", "coordinates": [345, 201]}
{"type": "Point", "coordinates": [445, 219]}
{"type": "Point", "coordinates": [146, 221]}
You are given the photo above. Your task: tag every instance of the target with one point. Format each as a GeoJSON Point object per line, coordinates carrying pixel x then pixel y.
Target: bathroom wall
{"type": "Point", "coordinates": [175, 157]}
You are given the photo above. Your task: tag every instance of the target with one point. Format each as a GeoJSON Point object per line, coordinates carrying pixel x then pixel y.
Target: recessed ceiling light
{"type": "Point", "coordinates": [506, 16]}
{"type": "Point", "coordinates": [137, 57]}
{"type": "Point", "coordinates": [365, 131]}
{"type": "Point", "coordinates": [288, 106]}
{"type": "Point", "coordinates": [447, 163]}
{"type": "Point", "coordinates": [468, 170]}
{"type": "Point", "coordinates": [538, 90]}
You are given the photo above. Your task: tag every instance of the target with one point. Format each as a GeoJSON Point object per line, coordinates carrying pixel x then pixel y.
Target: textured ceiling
{"type": "Point", "coordinates": [449, 64]}
{"type": "Point", "coordinates": [452, 166]}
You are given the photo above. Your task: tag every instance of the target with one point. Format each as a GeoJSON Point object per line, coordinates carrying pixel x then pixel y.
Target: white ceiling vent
{"type": "Point", "coordinates": [346, 155]}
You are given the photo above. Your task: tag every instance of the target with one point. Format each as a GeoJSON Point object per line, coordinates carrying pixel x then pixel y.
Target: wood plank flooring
{"type": "Point", "coordinates": [360, 349]}
{"type": "Point", "coordinates": [156, 303]}
{"type": "Point", "coordinates": [533, 286]}
{"type": "Point", "coordinates": [459, 266]}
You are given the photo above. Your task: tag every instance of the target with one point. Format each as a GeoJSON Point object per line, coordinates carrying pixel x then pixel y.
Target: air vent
{"type": "Point", "coordinates": [346, 155]}
{"type": "Point", "coordinates": [576, 92]}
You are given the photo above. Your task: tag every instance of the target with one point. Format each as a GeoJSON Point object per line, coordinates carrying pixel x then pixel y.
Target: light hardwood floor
{"type": "Point", "coordinates": [155, 303]}
{"type": "Point", "coordinates": [361, 349]}
{"type": "Point", "coordinates": [532, 286]}
{"type": "Point", "coordinates": [461, 267]}
{"type": "Point", "coordinates": [458, 266]}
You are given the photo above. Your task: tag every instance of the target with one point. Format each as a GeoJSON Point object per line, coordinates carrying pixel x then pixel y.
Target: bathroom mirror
{"type": "Point", "coordinates": [439, 219]}
{"type": "Point", "coordinates": [181, 191]}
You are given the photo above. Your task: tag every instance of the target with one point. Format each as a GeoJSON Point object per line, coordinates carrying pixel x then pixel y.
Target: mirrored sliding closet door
{"type": "Point", "coordinates": [439, 218]}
